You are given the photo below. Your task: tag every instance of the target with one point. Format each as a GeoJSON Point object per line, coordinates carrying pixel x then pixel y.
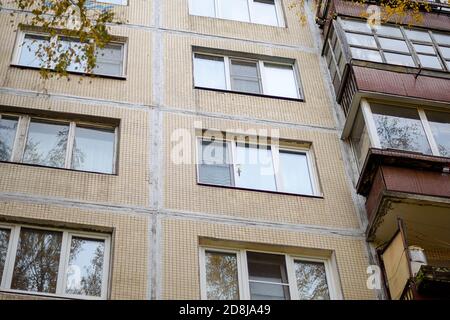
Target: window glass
{"type": "Point", "coordinates": [244, 76]}
{"type": "Point", "coordinates": [424, 49]}
{"type": "Point", "coordinates": [387, 30]}
{"type": "Point", "coordinates": [418, 35]}
{"type": "Point", "coordinates": [254, 167]}
{"type": "Point", "coordinates": [429, 61]}
{"type": "Point", "coordinates": [32, 53]}
{"type": "Point", "coordinates": [85, 270]}
{"type": "Point", "coordinates": [311, 280]}
{"type": "Point", "coordinates": [280, 81]}
{"type": "Point", "coordinates": [46, 144]}
{"type": "Point", "coordinates": [221, 276]}
{"type": "Point", "coordinates": [8, 128]}
{"type": "Point", "coordinates": [445, 52]}
{"type": "Point", "coordinates": [93, 150]}
{"type": "Point", "coordinates": [442, 38]}
{"type": "Point", "coordinates": [401, 59]}
{"type": "Point", "coordinates": [215, 166]}
{"type": "Point", "coordinates": [361, 40]}
{"type": "Point", "coordinates": [400, 128]}
{"type": "Point", "coordinates": [356, 25]}
{"type": "Point", "coordinates": [78, 64]}
{"type": "Point", "coordinates": [209, 72]}
{"type": "Point", "coordinates": [295, 172]}
{"type": "Point", "coordinates": [364, 54]}
{"type": "Point", "coordinates": [4, 242]}
{"type": "Point", "coordinates": [37, 261]}
{"type": "Point", "coordinates": [360, 139]}
{"type": "Point", "coordinates": [109, 60]}
{"type": "Point", "coordinates": [440, 127]}
{"type": "Point", "coordinates": [267, 276]}
{"type": "Point", "coordinates": [234, 10]}
{"type": "Point", "coordinates": [396, 45]}
{"type": "Point", "coordinates": [264, 12]}
{"type": "Point", "coordinates": [202, 8]}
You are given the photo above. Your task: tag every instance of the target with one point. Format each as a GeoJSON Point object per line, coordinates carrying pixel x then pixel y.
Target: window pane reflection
{"type": "Point", "coordinates": [234, 10]}
{"type": "Point", "coordinates": [209, 72]}
{"type": "Point", "coordinates": [37, 261]}
{"type": "Point", "coordinates": [400, 128]}
{"type": "Point", "coordinates": [311, 280]}
{"type": "Point", "coordinates": [8, 128]}
{"type": "Point", "coordinates": [264, 12]}
{"type": "Point", "coordinates": [46, 144]}
{"type": "Point", "coordinates": [440, 127]}
{"type": "Point", "coordinates": [4, 242]}
{"type": "Point", "coordinates": [295, 172]}
{"type": "Point", "coordinates": [280, 81]}
{"type": "Point", "coordinates": [221, 276]}
{"type": "Point", "coordinates": [255, 167]}
{"type": "Point", "coordinates": [85, 271]}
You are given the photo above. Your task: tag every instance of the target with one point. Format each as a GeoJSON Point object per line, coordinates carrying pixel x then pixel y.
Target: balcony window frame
{"type": "Point", "coordinates": [227, 59]}
{"type": "Point", "coordinates": [275, 150]}
{"type": "Point", "coordinates": [21, 137]}
{"type": "Point", "coordinates": [404, 38]}
{"type": "Point", "coordinates": [250, 7]}
{"type": "Point", "coordinates": [19, 46]}
{"type": "Point", "coordinates": [67, 235]}
{"type": "Point", "coordinates": [372, 129]}
{"type": "Point", "coordinates": [334, 289]}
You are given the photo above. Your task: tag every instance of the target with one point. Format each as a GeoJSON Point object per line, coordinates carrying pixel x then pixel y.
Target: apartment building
{"type": "Point", "coordinates": [393, 84]}
{"type": "Point", "coordinates": [139, 183]}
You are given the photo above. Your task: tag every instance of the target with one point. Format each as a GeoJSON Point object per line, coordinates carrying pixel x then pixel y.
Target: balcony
{"type": "Point", "coordinates": [415, 268]}
{"type": "Point", "coordinates": [405, 185]}
{"type": "Point", "coordinates": [387, 61]}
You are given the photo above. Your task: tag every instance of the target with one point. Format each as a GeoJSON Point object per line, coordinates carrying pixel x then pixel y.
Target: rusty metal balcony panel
{"type": "Point", "coordinates": [402, 84]}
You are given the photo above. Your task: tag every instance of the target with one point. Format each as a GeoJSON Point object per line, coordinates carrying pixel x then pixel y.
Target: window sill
{"type": "Point", "coordinates": [259, 190]}
{"type": "Point", "coordinates": [90, 75]}
{"type": "Point", "coordinates": [250, 94]}
{"type": "Point", "coordinates": [65, 169]}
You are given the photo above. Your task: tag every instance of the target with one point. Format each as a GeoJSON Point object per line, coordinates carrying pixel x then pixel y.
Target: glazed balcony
{"type": "Point", "coordinates": [393, 61]}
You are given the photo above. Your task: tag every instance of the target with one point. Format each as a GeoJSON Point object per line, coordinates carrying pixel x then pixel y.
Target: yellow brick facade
{"type": "Point", "coordinates": [153, 208]}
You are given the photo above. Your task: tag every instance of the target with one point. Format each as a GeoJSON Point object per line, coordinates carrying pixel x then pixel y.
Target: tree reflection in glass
{"type": "Point", "coordinates": [37, 261]}
{"type": "Point", "coordinates": [4, 241]}
{"type": "Point", "coordinates": [85, 272]}
{"type": "Point", "coordinates": [8, 128]}
{"type": "Point", "coordinates": [440, 127]}
{"type": "Point", "coordinates": [46, 144]}
{"type": "Point", "coordinates": [311, 280]}
{"type": "Point", "coordinates": [400, 128]}
{"type": "Point", "coordinates": [221, 276]}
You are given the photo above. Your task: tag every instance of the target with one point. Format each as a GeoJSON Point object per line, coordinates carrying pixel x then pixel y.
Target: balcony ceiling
{"type": "Point", "coordinates": [427, 220]}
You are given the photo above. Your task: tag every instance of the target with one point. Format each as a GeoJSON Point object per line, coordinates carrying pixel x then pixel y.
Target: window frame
{"type": "Point", "coordinates": [19, 46]}
{"type": "Point", "coordinates": [312, 168]}
{"type": "Point", "coordinates": [404, 37]}
{"type": "Point", "coordinates": [250, 7]}
{"type": "Point", "coordinates": [332, 277]}
{"type": "Point", "coordinates": [260, 71]}
{"type": "Point", "coordinates": [21, 137]}
{"type": "Point", "coordinates": [67, 234]}
{"type": "Point", "coordinates": [421, 111]}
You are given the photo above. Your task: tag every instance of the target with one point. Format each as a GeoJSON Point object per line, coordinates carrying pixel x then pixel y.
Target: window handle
{"type": "Point", "coordinates": [238, 166]}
